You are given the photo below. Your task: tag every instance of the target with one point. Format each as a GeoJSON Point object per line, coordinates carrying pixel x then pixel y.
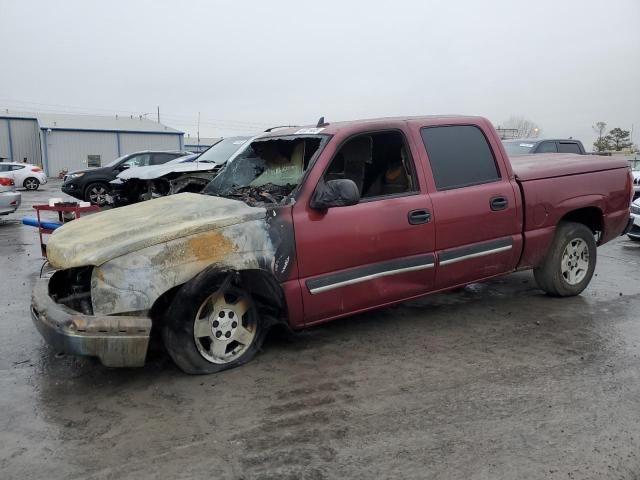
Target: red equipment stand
{"type": "Point", "coordinates": [76, 210]}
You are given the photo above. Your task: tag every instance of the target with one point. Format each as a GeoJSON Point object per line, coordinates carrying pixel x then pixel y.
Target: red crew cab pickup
{"type": "Point", "coordinates": [311, 224]}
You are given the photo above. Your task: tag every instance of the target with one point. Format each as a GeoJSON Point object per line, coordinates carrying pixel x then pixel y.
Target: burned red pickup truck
{"type": "Point", "coordinates": [313, 224]}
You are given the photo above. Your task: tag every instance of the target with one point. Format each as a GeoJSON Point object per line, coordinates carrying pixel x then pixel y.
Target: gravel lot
{"type": "Point", "coordinates": [494, 381]}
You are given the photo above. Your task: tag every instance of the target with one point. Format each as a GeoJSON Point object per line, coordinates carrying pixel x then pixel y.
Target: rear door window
{"type": "Point", "coordinates": [460, 156]}
{"type": "Point", "coordinates": [160, 158]}
{"type": "Point", "coordinates": [547, 147]}
{"type": "Point", "coordinates": [569, 147]}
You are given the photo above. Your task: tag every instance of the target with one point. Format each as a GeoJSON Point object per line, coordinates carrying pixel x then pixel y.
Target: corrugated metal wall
{"type": "Point", "coordinates": [24, 141]}
{"type": "Point", "coordinates": [69, 150]}
{"type": "Point", "coordinates": [134, 142]}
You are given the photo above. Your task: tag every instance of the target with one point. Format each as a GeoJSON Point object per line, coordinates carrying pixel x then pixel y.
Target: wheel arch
{"type": "Point", "coordinates": [592, 217]}
{"type": "Point", "coordinates": [263, 287]}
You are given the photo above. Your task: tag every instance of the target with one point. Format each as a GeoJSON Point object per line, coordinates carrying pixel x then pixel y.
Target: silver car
{"type": "Point", "coordinates": [9, 198]}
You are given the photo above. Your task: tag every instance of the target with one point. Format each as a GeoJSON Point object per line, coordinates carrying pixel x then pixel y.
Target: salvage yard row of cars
{"type": "Point", "coordinates": [149, 174]}
{"type": "Point", "coordinates": [304, 225]}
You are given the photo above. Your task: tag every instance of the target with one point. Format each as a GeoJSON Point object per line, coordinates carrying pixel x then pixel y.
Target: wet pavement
{"type": "Point", "coordinates": [494, 381]}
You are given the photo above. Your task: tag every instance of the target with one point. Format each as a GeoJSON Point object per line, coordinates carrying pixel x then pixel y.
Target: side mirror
{"type": "Point", "coordinates": [335, 193]}
{"type": "Point", "coordinates": [123, 167]}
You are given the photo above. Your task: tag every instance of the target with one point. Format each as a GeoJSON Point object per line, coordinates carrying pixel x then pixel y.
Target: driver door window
{"type": "Point", "coordinates": [378, 163]}
{"type": "Point", "coordinates": [141, 160]}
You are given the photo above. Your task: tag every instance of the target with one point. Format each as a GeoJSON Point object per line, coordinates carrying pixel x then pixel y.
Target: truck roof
{"type": "Point", "coordinates": [330, 128]}
{"type": "Point", "coordinates": [538, 140]}
{"type": "Point", "coordinates": [548, 165]}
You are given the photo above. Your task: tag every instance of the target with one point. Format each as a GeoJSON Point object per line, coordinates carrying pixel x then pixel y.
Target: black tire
{"type": "Point", "coordinates": [549, 274]}
{"type": "Point", "coordinates": [180, 320]}
{"type": "Point", "coordinates": [31, 183]}
{"type": "Point", "coordinates": [635, 239]}
{"type": "Point", "coordinates": [96, 193]}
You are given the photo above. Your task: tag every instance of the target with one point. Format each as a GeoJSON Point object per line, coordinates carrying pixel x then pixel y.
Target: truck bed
{"type": "Point", "coordinates": [550, 165]}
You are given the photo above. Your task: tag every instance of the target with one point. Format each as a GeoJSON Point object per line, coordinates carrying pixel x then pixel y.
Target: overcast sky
{"type": "Point", "coordinates": [248, 65]}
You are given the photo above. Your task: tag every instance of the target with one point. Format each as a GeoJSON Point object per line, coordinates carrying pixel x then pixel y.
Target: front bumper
{"type": "Point", "coordinates": [118, 341]}
{"type": "Point", "coordinates": [73, 189]}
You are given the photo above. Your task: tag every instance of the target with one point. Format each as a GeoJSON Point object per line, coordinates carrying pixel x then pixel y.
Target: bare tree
{"type": "Point", "coordinates": [602, 143]}
{"type": "Point", "coordinates": [525, 128]}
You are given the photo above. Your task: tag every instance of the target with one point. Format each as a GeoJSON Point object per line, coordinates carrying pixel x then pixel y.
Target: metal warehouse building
{"type": "Point", "coordinates": [59, 142]}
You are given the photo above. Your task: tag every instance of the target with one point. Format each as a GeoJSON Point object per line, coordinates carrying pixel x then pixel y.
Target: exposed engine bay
{"type": "Point", "coordinates": [72, 288]}
{"type": "Point", "coordinates": [269, 193]}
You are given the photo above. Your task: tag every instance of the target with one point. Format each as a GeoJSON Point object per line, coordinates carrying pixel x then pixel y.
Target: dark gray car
{"type": "Point", "coordinates": [527, 146]}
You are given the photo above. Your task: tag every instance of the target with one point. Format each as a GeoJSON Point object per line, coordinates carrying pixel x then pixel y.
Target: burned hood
{"type": "Point", "coordinates": [98, 238]}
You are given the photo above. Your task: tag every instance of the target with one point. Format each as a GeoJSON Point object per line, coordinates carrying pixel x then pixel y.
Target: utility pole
{"type": "Point", "coordinates": [158, 113]}
{"type": "Point", "coordinates": [198, 139]}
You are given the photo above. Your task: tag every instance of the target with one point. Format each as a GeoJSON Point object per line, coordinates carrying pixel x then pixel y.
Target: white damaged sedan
{"type": "Point", "coordinates": [634, 233]}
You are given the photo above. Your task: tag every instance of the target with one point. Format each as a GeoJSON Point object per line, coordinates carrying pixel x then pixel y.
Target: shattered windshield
{"type": "Point", "coordinates": [267, 171]}
{"type": "Point", "coordinates": [222, 151]}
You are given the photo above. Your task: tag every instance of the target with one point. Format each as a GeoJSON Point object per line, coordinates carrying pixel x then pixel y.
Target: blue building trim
{"type": "Point", "coordinates": [118, 143]}
{"type": "Point", "coordinates": [45, 150]}
{"type": "Point", "coordinates": [7, 117]}
{"type": "Point", "coordinates": [10, 141]}
{"type": "Point", "coordinates": [94, 130]}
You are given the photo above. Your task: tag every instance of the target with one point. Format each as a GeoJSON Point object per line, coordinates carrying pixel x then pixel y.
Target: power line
{"type": "Point", "coordinates": [178, 118]}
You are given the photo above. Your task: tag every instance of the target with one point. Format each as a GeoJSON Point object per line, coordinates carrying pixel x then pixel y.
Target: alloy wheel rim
{"type": "Point", "coordinates": [30, 184]}
{"type": "Point", "coordinates": [98, 195]}
{"type": "Point", "coordinates": [574, 264]}
{"type": "Point", "coordinates": [223, 328]}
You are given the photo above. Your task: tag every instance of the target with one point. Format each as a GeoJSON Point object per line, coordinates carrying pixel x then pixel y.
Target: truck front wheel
{"type": "Point", "coordinates": [212, 325]}
{"type": "Point", "coordinates": [569, 264]}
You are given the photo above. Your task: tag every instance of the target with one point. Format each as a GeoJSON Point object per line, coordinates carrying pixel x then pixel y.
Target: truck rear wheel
{"type": "Point", "coordinates": [570, 262]}
{"type": "Point", "coordinates": [212, 325]}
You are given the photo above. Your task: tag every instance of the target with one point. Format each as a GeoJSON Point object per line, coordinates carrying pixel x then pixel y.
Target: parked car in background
{"type": "Point", "coordinates": [9, 198]}
{"type": "Point", "coordinates": [24, 174]}
{"type": "Point", "coordinates": [547, 145]}
{"type": "Point", "coordinates": [311, 224]}
{"type": "Point", "coordinates": [634, 233]}
{"type": "Point", "coordinates": [92, 184]}
{"type": "Point", "coordinates": [635, 169]}
{"type": "Point", "coordinates": [186, 174]}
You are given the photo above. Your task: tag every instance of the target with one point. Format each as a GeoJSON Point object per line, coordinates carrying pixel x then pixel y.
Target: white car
{"type": "Point", "coordinates": [634, 233]}
{"type": "Point", "coordinates": [190, 173]}
{"type": "Point", "coordinates": [23, 174]}
{"type": "Point", "coordinates": [9, 198]}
